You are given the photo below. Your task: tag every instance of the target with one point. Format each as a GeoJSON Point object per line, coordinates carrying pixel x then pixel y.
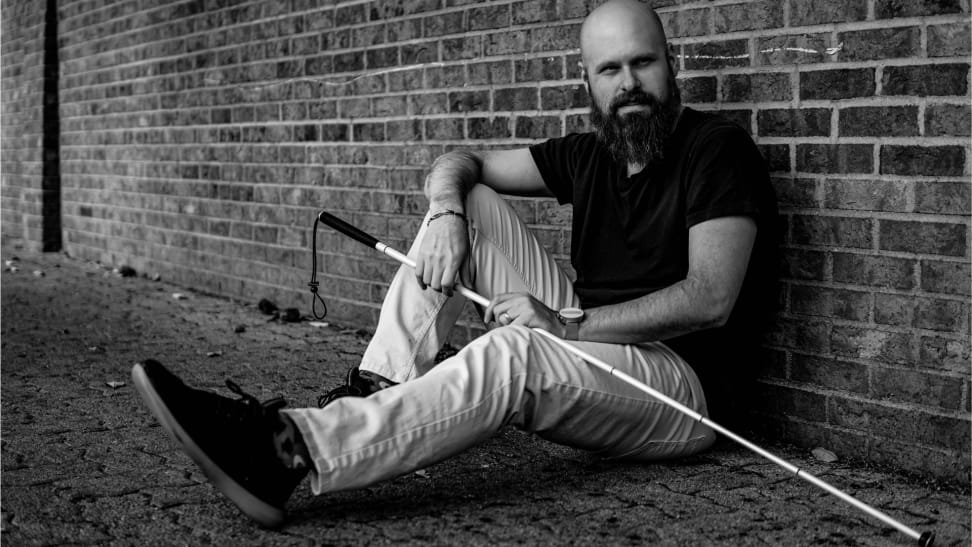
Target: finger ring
{"type": "Point", "coordinates": [505, 318]}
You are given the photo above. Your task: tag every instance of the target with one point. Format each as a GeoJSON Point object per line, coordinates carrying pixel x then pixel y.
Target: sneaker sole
{"type": "Point", "coordinates": [255, 508]}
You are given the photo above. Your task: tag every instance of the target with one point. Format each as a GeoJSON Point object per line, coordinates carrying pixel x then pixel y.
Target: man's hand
{"type": "Point", "coordinates": [442, 253]}
{"type": "Point", "coordinates": [523, 309]}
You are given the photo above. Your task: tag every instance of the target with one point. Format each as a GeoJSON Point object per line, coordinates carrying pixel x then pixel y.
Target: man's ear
{"type": "Point", "coordinates": [587, 81]}
{"type": "Point", "coordinates": [672, 59]}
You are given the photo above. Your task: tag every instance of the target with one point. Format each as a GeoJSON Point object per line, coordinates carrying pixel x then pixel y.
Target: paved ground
{"type": "Point", "coordinates": [84, 463]}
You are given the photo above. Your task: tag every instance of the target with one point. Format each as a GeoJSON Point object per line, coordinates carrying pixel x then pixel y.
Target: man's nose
{"type": "Point", "coordinates": [629, 80]}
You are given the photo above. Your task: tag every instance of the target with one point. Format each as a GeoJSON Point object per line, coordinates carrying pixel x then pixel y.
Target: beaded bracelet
{"type": "Point", "coordinates": [444, 213]}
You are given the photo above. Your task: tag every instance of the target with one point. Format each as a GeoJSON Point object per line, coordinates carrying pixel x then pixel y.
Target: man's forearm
{"type": "Point", "coordinates": [450, 179]}
{"type": "Point", "coordinates": [686, 306]}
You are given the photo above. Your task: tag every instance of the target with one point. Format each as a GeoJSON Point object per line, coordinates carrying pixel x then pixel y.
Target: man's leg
{"type": "Point", "coordinates": [514, 376]}
{"type": "Point", "coordinates": [504, 257]}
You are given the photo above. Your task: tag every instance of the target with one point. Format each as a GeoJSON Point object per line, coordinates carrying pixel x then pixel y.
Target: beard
{"type": "Point", "coordinates": [638, 137]}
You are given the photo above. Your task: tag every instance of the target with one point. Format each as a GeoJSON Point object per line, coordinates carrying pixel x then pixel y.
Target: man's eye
{"type": "Point", "coordinates": [608, 69]}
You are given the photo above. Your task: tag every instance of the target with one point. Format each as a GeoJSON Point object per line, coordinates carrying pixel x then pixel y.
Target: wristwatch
{"type": "Point", "coordinates": [571, 318]}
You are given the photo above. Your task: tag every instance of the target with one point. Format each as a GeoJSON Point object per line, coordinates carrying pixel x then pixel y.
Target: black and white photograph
{"type": "Point", "coordinates": [497, 272]}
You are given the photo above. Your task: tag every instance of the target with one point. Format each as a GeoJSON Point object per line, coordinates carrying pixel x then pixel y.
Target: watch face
{"type": "Point", "coordinates": [572, 314]}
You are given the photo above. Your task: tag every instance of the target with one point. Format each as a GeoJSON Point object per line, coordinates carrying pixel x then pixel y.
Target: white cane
{"type": "Point", "coordinates": [924, 539]}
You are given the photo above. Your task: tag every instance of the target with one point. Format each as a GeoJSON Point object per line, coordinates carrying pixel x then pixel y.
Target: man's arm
{"type": "Point", "coordinates": [446, 244]}
{"type": "Point", "coordinates": [719, 252]}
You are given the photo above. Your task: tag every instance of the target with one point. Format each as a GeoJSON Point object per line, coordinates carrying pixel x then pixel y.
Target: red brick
{"type": "Point", "coordinates": [837, 84]}
{"type": "Point", "coordinates": [762, 86]}
{"type": "Point", "coordinates": [554, 38]}
{"type": "Point", "coordinates": [447, 76]}
{"type": "Point", "coordinates": [534, 11]}
{"type": "Point", "coordinates": [761, 14]}
{"type": "Point", "coordinates": [864, 343]}
{"type": "Point", "coordinates": [829, 373]}
{"type": "Point", "coordinates": [895, 310]}
{"type": "Point", "coordinates": [537, 127]}
{"type": "Point", "coordinates": [878, 121]}
{"type": "Point", "coordinates": [443, 23]}
{"type": "Point", "coordinates": [497, 127]}
{"type": "Point", "coordinates": [881, 43]}
{"type": "Point", "coordinates": [404, 130]}
{"type": "Point", "coordinates": [926, 80]}
{"type": "Point", "coordinates": [923, 237]}
{"type": "Point", "coordinates": [948, 120]}
{"type": "Point", "coordinates": [943, 197]}
{"type": "Point", "coordinates": [949, 40]}
{"type": "Point", "coordinates": [835, 158]}
{"type": "Point", "coordinates": [369, 36]}
{"type": "Point", "coordinates": [444, 128]}
{"type": "Point", "coordinates": [506, 43]}
{"type": "Point", "coordinates": [464, 47]}
{"type": "Point", "coordinates": [350, 15]}
{"type": "Point", "coordinates": [824, 302]}
{"type": "Point", "coordinates": [686, 22]}
{"type": "Point", "coordinates": [563, 97]}
{"type": "Point", "coordinates": [490, 72]}
{"type": "Point", "coordinates": [946, 354]}
{"type": "Point", "coordinates": [812, 12]}
{"type": "Point", "coordinates": [946, 277]}
{"type": "Point", "coordinates": [795, 192]}
{"type": "Point", "coordinates": [806, 122]}
{"type": "Point", "coordinates": [894, 8]}
{"type": "Point", "coordinates": [777, 157]}
{"type": "Point", "coordinates": [489, 17]}
{"type": "Point", "coordinates": [886, 422]}
{"type": "Point", "coordinates": [791, 401]}
{"type": "Point", "coordinates": [875, 271]}
{"type": "Point", "coordinates": [406, 29]}
{"type": "Point", "coordinates": [941, 315]}
{"type": "Point", "coordinates": [697, 90]}
{"type": "Point", "coordinates": [538, 69]}
{"type": "Point", "coordinates": [803, 264]}
{"type": "Point", "coordinates": [923, 160]}
{"type": "Point", "coordinates": [839, 231]}
{"type": "Point", "coordinates": [468, 101]}
{"type": "Point", "coordinates": [428, 103]}
{"type": "Point", "coordinates": [515, 98]}
{"type": "Point", "coordinates": [866, 195]}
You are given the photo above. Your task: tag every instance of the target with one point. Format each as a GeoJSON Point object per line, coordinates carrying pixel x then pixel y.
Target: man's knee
{"type": "Point", "coordinates": [503, 347]}
{"type": "Point", "coordinates": [484, 204]}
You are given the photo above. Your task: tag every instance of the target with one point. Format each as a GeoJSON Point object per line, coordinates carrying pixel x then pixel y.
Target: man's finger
{"type": "Point", "coordinates": [420, 271]}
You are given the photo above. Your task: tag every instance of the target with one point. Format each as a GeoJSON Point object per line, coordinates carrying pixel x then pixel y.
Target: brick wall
{"type": "Point", "coordinates": [21, 148]}
{"type": "Point", "coordinates": [199, 138]}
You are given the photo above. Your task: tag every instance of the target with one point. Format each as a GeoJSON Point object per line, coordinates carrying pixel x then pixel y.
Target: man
{"type": "Point", "coordinates": [671, 242]}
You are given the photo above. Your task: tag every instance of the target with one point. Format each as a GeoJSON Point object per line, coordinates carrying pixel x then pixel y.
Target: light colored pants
{"type": "Point", "coordinates": [510, 375]}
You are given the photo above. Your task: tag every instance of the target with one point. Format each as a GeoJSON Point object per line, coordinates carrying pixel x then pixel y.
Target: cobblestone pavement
{"type": "Point", "coordinates": [83, 462]}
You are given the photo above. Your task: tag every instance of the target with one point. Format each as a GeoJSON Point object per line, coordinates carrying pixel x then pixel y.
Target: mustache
{"type": "Point", "coordinates": [633, 97]}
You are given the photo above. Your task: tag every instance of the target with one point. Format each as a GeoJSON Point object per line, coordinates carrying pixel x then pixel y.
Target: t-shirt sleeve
{"type": "Point", "coordinates": [726, 177]}
{"type": "Point", "coordinates": [556, 160]}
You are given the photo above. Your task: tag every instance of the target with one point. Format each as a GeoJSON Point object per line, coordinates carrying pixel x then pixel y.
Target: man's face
{"type": "Point", "coordinates": [631, 81]}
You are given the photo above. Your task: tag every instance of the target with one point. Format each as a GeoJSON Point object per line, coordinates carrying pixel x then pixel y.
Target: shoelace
{"type": "Point", "coordinates": [247, 406]}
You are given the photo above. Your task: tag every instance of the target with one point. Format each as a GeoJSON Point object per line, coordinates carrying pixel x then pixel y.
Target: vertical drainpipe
{"type": "Point", "coordinates": [51, 170]}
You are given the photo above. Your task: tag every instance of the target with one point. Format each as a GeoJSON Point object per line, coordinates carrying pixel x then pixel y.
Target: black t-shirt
{"type": "Point", "coordinates": [630, 235]}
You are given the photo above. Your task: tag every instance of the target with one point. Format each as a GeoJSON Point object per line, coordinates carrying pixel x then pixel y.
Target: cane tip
{"type": "Point", "coordinates": [927, 539]}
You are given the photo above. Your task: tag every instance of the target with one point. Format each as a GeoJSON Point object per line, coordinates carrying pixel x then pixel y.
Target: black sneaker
{"type": "Point", "coordinates": [360, 383]}
{"type": "Point", "coordinates": [230, 439]}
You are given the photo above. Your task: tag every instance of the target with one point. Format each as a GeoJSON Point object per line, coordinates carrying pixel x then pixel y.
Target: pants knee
{"type": "Point", "coordinates": [483, 203]}
{"type": "Point", "coordinates": [504, 348]}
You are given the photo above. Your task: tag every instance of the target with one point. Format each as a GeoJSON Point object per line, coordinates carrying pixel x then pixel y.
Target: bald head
{"type": "Point", "coordinates": [619, 21]}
